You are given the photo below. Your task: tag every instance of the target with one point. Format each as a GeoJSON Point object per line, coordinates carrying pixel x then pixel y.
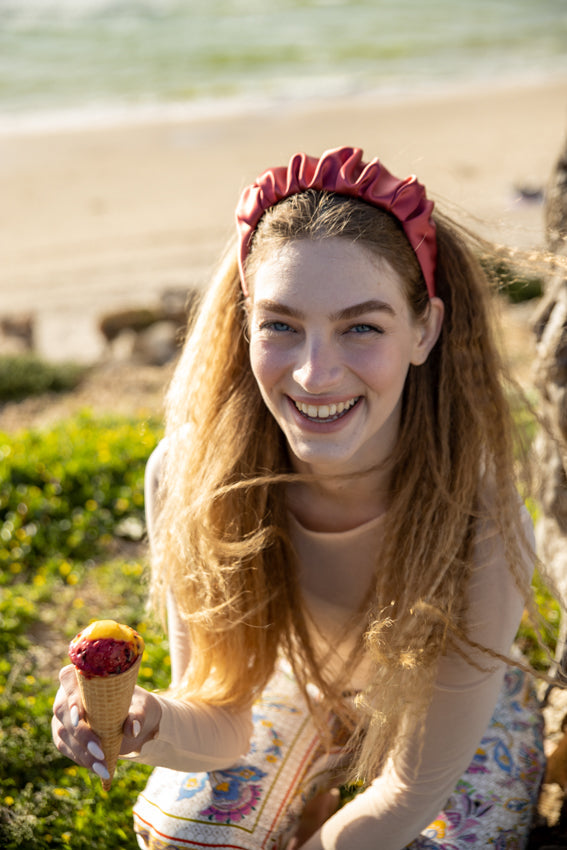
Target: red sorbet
{"type": "Point", "coordinates": [102, 657]}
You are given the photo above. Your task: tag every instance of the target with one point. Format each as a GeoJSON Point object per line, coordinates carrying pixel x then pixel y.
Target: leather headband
{"type": "Point", "coordinates": [341, 170]}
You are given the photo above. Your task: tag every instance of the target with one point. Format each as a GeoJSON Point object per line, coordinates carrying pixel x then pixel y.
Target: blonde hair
{"type": "Point", "coordinates": [223, 540]}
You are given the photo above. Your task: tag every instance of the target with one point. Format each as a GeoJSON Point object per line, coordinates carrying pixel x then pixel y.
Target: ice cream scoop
{"type": "Point", "coordinates": [105, 648]}
{"type": "Point", "coordinates": [107, 658]}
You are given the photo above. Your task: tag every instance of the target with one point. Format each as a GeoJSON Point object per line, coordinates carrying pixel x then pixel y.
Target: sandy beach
{"type": "Point", "coordinates": [96, 219]}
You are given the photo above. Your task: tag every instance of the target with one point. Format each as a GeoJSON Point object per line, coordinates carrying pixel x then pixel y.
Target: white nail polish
{"type": "Point", "coordinates": [74, 712]}
{"type": "Point", "coordinates": [101, 770]}
{"type": "Point", "coordinates": [136, 728]}
{"type": "Point", "coordinates": [95, 750]}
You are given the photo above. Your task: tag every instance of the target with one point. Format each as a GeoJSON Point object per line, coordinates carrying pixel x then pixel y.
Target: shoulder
{"type": "Point", "coordinates": [490, 547]}
{"type": "Point", "coordinates": [159, 470]}
{"type": "Point", "coordinates": [154, 467]}
{"type": "Point", "coordinates": [499, 581]}
{"type": "Point", "coordinates": [152, 482]}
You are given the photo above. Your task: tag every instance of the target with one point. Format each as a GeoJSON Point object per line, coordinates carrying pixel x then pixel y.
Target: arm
{"type": "Point", "coordinates": [178, 734]}
{"type": "Point", "coordinates": [192, 736]}
{"type": "Point", "coordinates": [179, 644]}
{"type": "Point", "coordinates": [410, 792]}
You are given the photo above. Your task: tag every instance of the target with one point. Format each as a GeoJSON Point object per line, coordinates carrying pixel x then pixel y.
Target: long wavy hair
{"type": "Point", "coordinates": [223, 543]}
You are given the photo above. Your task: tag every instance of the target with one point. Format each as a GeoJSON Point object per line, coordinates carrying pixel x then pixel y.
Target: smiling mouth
{"type": "Point", "coordinates": [326, 412]}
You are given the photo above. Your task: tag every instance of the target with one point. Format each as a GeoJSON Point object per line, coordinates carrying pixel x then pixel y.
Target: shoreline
{"type": "Point", "coordinates": [102, 218]}
{"type": "Point", "coordinates": [79, 119]}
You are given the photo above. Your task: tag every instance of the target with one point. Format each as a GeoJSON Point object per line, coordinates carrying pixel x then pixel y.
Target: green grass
{"type": "Point", "coordinates": [67, 496]}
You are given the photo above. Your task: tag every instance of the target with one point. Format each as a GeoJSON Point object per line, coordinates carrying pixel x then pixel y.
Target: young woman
{"type": "Point", "coordinates": [338, 539]}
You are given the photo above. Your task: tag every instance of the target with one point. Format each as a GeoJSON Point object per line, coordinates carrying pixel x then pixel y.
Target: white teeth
{"type": "Point", "coordinates": [325, 411]}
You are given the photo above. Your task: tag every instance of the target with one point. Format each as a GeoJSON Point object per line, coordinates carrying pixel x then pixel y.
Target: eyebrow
{"type": "Point", "coordinates": [371, 306]}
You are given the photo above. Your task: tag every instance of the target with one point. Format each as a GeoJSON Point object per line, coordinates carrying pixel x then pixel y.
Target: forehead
{"type": "Point", "coordinates": [328, 270]}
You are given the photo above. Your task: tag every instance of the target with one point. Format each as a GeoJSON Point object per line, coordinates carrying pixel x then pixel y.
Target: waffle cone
{"type": "Point", "coordinates": [107, 701]}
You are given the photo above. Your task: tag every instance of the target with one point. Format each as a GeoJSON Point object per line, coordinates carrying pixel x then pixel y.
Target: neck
{"type": "Point", "coordinates": [339, 503]}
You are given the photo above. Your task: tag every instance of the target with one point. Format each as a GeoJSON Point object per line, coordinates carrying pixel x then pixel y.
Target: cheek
{"type": "Point", "coordinates": [381, 370]}
{"type": "Point", "coordinates": [267, 364]}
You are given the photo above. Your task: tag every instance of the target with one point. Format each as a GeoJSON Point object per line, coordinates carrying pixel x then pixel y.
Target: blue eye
{"type": "Point", "coordinates": [364, 329]}
{"type": "Point", "coordinates": [278, 327]}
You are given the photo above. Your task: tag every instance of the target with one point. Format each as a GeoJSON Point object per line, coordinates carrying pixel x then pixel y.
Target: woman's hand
{"type": "Point", "coordinates": [314, 815]}
{"type": "Point", "coordinates": [74, 737]}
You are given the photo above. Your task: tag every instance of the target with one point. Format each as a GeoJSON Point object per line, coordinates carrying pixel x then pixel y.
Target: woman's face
{"type": "Point", "coordinates": [331, 341]}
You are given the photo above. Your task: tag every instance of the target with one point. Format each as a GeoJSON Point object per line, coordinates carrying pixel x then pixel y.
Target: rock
{"type": "Point", "coordinates": [17, 334]}
{"type": "Point", "coordinates": [556, 206]}
{"type": "Point", "coordinates": [157, 344]}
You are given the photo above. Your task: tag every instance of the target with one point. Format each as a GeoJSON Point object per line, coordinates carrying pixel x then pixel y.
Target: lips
{"type": "Point", "coordinates": [325, 412]}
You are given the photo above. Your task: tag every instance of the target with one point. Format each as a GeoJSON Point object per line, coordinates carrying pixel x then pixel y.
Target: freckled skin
{"type": "Point", "coordinates": [330, 324]}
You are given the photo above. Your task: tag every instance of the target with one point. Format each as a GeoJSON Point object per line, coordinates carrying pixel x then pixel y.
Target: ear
{"type": "Point", "coordinates": [428, 331]}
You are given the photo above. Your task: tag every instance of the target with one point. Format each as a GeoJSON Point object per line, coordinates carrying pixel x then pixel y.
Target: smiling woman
{"type": "Point", "coordinates": [333, 372]}
{"type": "Point", "coordinates": [337, 539]}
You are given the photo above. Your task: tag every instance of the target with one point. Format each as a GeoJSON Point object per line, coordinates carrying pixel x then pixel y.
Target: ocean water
{"type": "Point", "coordinates": [65, 60]}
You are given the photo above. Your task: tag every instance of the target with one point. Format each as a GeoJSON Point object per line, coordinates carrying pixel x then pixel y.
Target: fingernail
{"type": "Point", "coordinates": [74, 716]}
{"type": "Point", "coordinates": [136, 728]}
{"type": "Point", "coordinates": [95, 750]}
{"type": "Point", "coordinates": [101, 770]}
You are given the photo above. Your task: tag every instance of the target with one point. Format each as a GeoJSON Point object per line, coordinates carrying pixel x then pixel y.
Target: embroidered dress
{"type": "Point", "coordinates": [252, 801]}
{"type": "Point", "coordinates": [256, 804]}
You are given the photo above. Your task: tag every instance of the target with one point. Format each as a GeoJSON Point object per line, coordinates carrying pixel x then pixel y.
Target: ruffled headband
{"type": "Point", "coordinates": [342, 170]}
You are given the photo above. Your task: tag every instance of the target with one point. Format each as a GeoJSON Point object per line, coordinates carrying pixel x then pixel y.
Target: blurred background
{"type": "Point", "coordinates": [68, 61]}
{"type": "Point", "coordinates": [129, 127]}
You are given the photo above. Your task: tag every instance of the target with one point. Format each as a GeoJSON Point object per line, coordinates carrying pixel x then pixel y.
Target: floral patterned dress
{"type": "Point", "coordinates": [256, 804]}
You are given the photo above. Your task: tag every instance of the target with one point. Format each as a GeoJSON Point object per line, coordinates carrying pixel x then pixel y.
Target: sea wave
{"type": "Point", "coordinates": [104, 57]}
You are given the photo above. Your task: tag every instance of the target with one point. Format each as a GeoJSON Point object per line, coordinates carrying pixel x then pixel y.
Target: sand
{"type": "Point", "coordinates": [101, 218]}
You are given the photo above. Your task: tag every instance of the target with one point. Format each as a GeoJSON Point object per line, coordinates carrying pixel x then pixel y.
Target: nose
{"type": "Point", "coordinates": [318, 368]}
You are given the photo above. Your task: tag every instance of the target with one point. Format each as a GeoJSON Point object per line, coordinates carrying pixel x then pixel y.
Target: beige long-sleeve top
{"type": "Point", "coordinates": [401, 802]}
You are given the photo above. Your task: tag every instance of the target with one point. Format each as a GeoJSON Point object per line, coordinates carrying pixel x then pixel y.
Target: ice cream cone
{"type": "Point", "coordinates": [107, 701]}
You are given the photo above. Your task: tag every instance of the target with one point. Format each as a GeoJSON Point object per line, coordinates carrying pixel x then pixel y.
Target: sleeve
{"type": "Point", "coordinates": [195, 737]}
{"type": "Point", "coordinates": [192, 736]}
{"type": "Point", "coordinates": [179, 646]}
{"type": "Point", "coordinates": [405, 798]}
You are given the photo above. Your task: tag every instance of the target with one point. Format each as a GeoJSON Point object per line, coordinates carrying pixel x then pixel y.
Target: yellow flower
{"type": "Point", "coordinates": [9, 801]}
{"type": "Point", "coordinates": [439, 827]}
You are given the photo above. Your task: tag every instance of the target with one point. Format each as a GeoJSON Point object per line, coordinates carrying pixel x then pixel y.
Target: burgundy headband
{"type": "Point", "coordinates": [342, 171]}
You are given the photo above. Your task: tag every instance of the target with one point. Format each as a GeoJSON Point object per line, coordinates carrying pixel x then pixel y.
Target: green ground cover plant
{"type": "Point", "coordinates": [71, 519]}
{"type": "Point", "coordinates": [513, 283]}
{"type": "Point", "coordinates": [23, 375]}
{"type": "Point", "coordinates": [71, 499]}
